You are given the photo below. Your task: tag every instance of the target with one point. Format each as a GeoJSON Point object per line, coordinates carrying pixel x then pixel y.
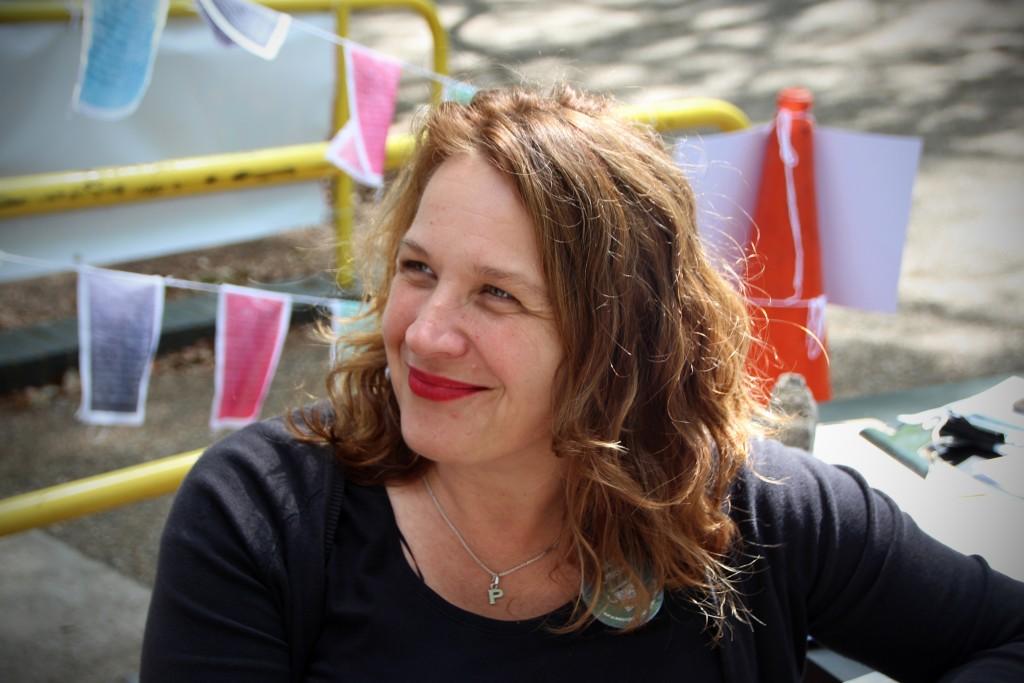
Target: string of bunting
{"type": "Point", "coordinates": [119, 47]}
{"type": "Point", "coordinates": [119, 323]}
{"type": "Point", "coordinates": [119, 314]}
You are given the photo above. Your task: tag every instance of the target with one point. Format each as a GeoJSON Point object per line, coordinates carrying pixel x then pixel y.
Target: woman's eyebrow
{"type": "Point", "coordinates": [413, 245]}
{"type": "Point", "coordinates": [490, 273]}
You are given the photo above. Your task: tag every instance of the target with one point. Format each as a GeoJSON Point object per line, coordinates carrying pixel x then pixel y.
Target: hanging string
{"type": "Point", "coordinates": [342, 41]}
{"type": "Point", "coordinates": [28, 260]}
{"type": "Point", "coordinates": [169, 281]}
{"type": "Point", "coordinates": [214, 289]}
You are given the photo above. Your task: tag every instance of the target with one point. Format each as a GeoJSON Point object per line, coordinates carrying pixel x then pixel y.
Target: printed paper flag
{"type": "Point", "coordinates": [334, 309]}
{"type": "Point", "coordinates": [119, 316]}
{"type": "Point", "coordinates": [372, 82]}
{"type": "Point", "coordinates": [218, 35]}
{"type": "Point", "coordinates": [258, 29]}
{"type": "Point", "coordinates": [251, 327]}
{"type": "Point", "coordinates": [341, 312]}
{"type": "Point", "coordinates": [457, 91]}
{"type": "Point", "coordinates": [119, 44]}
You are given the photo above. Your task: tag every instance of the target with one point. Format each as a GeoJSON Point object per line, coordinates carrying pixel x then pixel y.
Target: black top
{"type": "Point", "coordinates": [384, 623]}
{"type": "Point", "coordinates": [246, 590]}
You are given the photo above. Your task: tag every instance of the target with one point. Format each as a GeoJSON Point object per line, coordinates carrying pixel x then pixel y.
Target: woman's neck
{"type": "Point", "coordinates": [500, 509]}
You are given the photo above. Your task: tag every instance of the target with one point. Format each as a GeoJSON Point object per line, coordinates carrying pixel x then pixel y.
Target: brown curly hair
{"type": "Point", "coordinates": [653, 404]}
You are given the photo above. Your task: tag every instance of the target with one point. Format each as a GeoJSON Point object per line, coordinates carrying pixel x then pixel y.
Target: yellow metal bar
{"type": "Point", "coordinates": [49, 192]}
{"type": "Point", "coordinates": [94, 494]}
{"type": "Point", "coordinates": [46, 192]}
{"type": "Point", "coordinates": [343, 188]}
{"type": "Point", "coordinates": [695, 112]}
{"type": "Point", "coordinates": [66, 190]}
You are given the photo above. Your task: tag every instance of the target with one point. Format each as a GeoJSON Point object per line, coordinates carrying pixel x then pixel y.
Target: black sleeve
{"type": "Point", "coordinates": [875, 587]}
{"type": "Point", "coordinates": [238, 559]}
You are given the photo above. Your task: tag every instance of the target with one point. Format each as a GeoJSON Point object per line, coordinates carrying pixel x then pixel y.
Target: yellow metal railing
{"type": "Point", "coordinates": [67, 190]}
{"type": "Point", "coordinates": [49, 192]}
{"type": "Point", "coordinates": [135, 182]}
{"type": "Point", "coordinates": [94, 494]}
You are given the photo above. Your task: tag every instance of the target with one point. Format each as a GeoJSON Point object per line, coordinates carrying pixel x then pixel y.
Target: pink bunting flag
{"type": "Point", "coordinates": [372, 82]}
{"type": "Point", "coordinates": [251, 328]}
{"type": "Point", "coordinates": [119, 318]}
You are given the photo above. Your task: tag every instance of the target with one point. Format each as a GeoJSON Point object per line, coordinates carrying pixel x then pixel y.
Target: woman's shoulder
{"type": "Point", "coordinates": [264, 465]}
{"type": "Point", "coordinates": [783, 488]}
{"type": "Point", "coordinates": [773, 469]}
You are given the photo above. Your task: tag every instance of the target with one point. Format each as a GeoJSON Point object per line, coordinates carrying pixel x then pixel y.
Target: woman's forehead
{"type": "Point", "coordinates": [471, 209]}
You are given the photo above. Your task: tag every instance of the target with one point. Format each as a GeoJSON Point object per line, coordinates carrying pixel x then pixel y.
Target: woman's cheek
{"type": "Point", "coordinates": [396, 315]}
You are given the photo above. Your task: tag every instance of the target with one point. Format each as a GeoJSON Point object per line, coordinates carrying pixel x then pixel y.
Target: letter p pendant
{"type": "Point", "coordinates": [494, 593]}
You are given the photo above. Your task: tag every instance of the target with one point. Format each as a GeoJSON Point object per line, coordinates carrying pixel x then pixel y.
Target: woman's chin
{"type": "Point", "coordinates": [430, 446]}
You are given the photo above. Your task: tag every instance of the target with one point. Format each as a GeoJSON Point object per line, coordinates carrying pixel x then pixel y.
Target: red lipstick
{"type": "Point", "coordinates": [436, 388]}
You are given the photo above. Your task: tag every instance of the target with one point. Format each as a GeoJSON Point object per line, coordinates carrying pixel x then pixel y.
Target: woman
{"type": "Point", "coordinates": [540, 464]}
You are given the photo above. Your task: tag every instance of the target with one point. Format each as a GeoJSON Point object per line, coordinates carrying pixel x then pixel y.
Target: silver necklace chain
{"type": "Point", "coordinates": [494, 592]}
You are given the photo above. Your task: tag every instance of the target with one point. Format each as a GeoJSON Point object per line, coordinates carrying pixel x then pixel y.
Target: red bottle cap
{"type": "Point", "coordinates": [795, 99]}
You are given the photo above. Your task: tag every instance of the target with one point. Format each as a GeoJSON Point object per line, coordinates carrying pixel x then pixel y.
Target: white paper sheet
{"type": "Point", "coordinates": [724, 171]}
{"type": "Point", "coordinates": [864, 184]}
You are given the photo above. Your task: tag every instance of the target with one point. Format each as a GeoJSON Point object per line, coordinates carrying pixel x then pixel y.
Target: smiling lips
{"type": "Point", "coordinates": [436, 388]}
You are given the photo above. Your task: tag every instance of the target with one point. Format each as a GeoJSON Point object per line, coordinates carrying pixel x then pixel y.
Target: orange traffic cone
{"type": "Point", "coordinates": [783, 271]}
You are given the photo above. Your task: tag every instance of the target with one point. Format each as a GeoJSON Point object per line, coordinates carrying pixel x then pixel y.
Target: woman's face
{"type": "Point", "coordinates": [468, 328]}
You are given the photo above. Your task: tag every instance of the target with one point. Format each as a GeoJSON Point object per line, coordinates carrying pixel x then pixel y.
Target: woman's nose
{"type": "Point", "coordinates": [437, 330]}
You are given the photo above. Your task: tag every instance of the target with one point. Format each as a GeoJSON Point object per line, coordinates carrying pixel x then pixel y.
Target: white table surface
{"type": "Point", "coordinates": [950, 505]}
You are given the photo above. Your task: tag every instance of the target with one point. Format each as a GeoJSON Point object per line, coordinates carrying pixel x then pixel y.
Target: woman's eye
{"type": "Point", "coordinates": [412, 266]}
{"type": "Point", "coordinates": [501, 294]}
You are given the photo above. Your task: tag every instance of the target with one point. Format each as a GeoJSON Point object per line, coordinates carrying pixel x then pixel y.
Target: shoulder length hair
{"type": "Point", "coordinates": [653, 404]}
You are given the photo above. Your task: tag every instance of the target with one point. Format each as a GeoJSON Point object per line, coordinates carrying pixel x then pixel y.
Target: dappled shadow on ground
{"type": "Point", "coordinates": [947, 71]}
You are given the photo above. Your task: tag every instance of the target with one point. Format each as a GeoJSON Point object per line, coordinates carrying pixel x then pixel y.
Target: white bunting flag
{"type": "Point", "coordinates": [372, 82]}
{"type": "Point", "coordinates": [258, 29]}
{"type": "Point", "coordinates": [119, 318]}
{"type": "Point", "coordinates": [218, 35]}
{"type": "Point", "coordinates": [251, 329]}
{"type": "Point", "coordinates": [119, 42]}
